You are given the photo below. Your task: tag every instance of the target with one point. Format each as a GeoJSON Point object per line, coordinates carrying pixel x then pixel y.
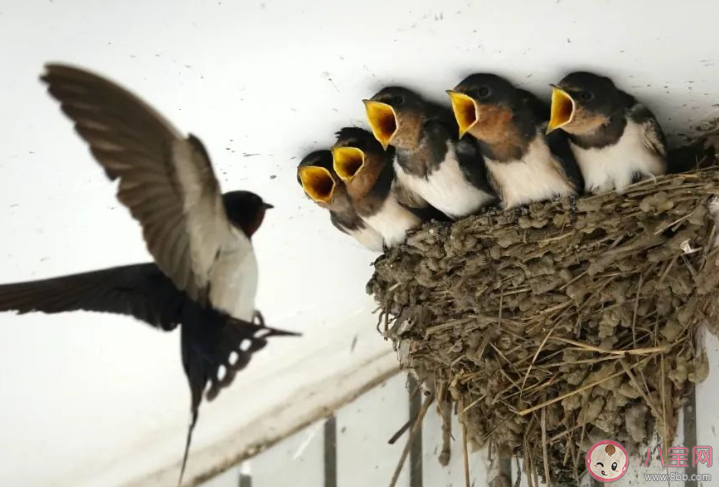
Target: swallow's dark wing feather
{"type": "Point", "coordinates": [339, 224]}
{"type": "Point", "coordinates": [538, 108]}
{"type": "Point", "coordinates": [653, 135]}
{"type": "Point", "coordinates": [140, 290]}
{"type": "Point", "coordinates": [471, 161]}
{"type": "Point", "coordinates": [558, 142]}
{"type": "Point", "coordinates": [345, 221]}
{"type": "Point", "coordinates": [165, 179]}
{"type": "Point", "coordinates": [442, 115]}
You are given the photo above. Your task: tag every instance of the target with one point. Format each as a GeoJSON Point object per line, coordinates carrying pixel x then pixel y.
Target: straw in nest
{"type": "Point", "coordinates": [562, 324]}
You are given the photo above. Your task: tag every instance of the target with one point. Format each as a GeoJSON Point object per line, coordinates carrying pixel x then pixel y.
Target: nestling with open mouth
{"type": "Point", "coordinates": [378, 197]}
{"type": "Point", "coordinates": [615, 139]}
{"type": "Point", "coordinates": [321, 183]}
{"type": "Point", "coordinates": [522, 168]}
{"type": "Point", "coordinates": [430, 161]}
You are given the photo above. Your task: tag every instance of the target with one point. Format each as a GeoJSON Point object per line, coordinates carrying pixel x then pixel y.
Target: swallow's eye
{"type": "Point", "coordinates": [586, 95]}
{"type": "Point", "coordinates": [614, 466]}
{"type": "Point", "coordinates": [397, 100]}
{"type": "Point", "coordinates": [600, 464]}
{"type": "Point", "coordinates": [484, 92]}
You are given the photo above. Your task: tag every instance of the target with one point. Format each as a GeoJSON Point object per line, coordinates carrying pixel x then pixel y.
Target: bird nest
{"type": "Point", "coordinates": [563, 323]}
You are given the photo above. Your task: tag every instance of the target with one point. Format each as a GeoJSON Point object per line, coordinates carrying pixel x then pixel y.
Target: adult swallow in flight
{"type": "Point", "coordinates": [321, 183]}
{"type": "Point", "coordinates": [447, 173]}
{"type": "Point", "coordinates": [521, 166]}
{"type": "Point", "coordinates": [615, 139]}
{"type": "Point", "coordinates": [369, 175]}
{"type": "Point", "coordinates": [204, 275]}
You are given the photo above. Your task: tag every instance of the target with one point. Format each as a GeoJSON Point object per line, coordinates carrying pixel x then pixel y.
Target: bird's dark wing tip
{"type": "Point", "coordinates": [55, 73]}
{"type": "Point", "coordinates": [55, 67]}
{"type": "Point", "coordinates": [52, 69]}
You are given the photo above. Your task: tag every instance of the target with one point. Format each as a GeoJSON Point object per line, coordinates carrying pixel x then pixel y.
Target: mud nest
{"type": "Point", "coordinates": [564, 323]}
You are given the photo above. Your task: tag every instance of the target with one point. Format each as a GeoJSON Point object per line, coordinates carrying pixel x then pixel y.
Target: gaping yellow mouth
{"type": "Point", "coordinates": [347, 161]}
{"type": "Point", "coordinates": [465, 111]}
{"type": "Point", "coordinates": [562, 109]}
{"type": "Point", "coordinates": [317, 183]}
{"type": "Point", "coordinates": [382, 120]}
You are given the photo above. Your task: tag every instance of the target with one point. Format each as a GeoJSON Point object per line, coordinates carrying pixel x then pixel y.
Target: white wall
{"type": "Point", "coordinates": [97, 400]}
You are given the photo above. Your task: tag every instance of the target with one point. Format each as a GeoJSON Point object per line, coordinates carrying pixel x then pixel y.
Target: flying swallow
{"type": "Point", "coordinates": [615, 139]}
{"type": "Point", "coordinates": [321, 183]}
{"type": "Point", "coordinates": [204, 274]}
{"type": "Point", "coordinates": [448, 174]}
{"type": "Point", "coordinates": [504, 121]}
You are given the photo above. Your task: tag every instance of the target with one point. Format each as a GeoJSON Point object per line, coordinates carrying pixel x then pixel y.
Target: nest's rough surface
{"type": "Point", "coordinates": [592, 303]}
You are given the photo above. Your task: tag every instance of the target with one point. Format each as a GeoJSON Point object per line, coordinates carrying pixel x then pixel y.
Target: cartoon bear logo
{"type": "Point", "coordinates": [607, 461]}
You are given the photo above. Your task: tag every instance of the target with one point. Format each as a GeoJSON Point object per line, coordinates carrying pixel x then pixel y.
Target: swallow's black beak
{"type": "Point", "coordinates": [267, 206]}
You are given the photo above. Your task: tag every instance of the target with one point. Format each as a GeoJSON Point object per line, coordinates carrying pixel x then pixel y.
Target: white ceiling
{"type": "Point", "coordinates": [261, 83]}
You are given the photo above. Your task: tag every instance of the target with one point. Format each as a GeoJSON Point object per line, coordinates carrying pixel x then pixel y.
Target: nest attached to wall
{"type": "Point", "coordinates": [563, 323]}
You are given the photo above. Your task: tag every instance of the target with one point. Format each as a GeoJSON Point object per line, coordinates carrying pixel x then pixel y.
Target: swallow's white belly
{"type": "Point", "coordinates": [447, 188]}
{"type": "Point", "coordinates": [392, 221]}
{"type": "Point", "coordinates": [234, 283]}
{"type": "Point", "coordinates": [368, 238]}
{"type": "Point", "coordinates": [535, 177]}
{"type": "Point", "coordinates": [613, 167]}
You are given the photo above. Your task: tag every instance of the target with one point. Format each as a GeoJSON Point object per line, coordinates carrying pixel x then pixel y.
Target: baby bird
{"type": "Point", "coordinates": [504, 121]}
{"type": "Point", "coordinates": [615, 139]}
{"type": "Point", "coordinates": [321, 183]}
{"type": "Point", "coordinates": [368, 173]}
{"type": "Point", "coordinates": [448, 174]}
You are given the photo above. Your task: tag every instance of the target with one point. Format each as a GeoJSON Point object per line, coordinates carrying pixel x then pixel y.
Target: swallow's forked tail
{"type": "Point", "coordinates": [213, 352]}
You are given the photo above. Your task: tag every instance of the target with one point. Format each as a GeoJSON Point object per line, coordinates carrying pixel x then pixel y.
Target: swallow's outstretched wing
{"type": "Point", "coordinates": [141, 291]}
{"type": "Point", "coordinates": [166, 180]}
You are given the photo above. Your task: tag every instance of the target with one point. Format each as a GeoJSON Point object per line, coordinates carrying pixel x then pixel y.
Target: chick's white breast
{"type": "Point", "coordinates": [447, 188]}
{"type": "Point", "coordinates": [614, 166]}
{"type": "Point", "coordinates": [392, 221]}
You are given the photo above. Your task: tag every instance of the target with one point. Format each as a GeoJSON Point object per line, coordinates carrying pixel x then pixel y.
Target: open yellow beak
{"type": "Point", "coordinates": [562, 109]}
{"type": "Point", "coordinates": [383, 121]}
{"type": "Point", "coordinates": [465, 111]}
{"type": "Point", "coordinates": [317, 183]}
{"type": "Point", "coordinates": [347, 161]}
